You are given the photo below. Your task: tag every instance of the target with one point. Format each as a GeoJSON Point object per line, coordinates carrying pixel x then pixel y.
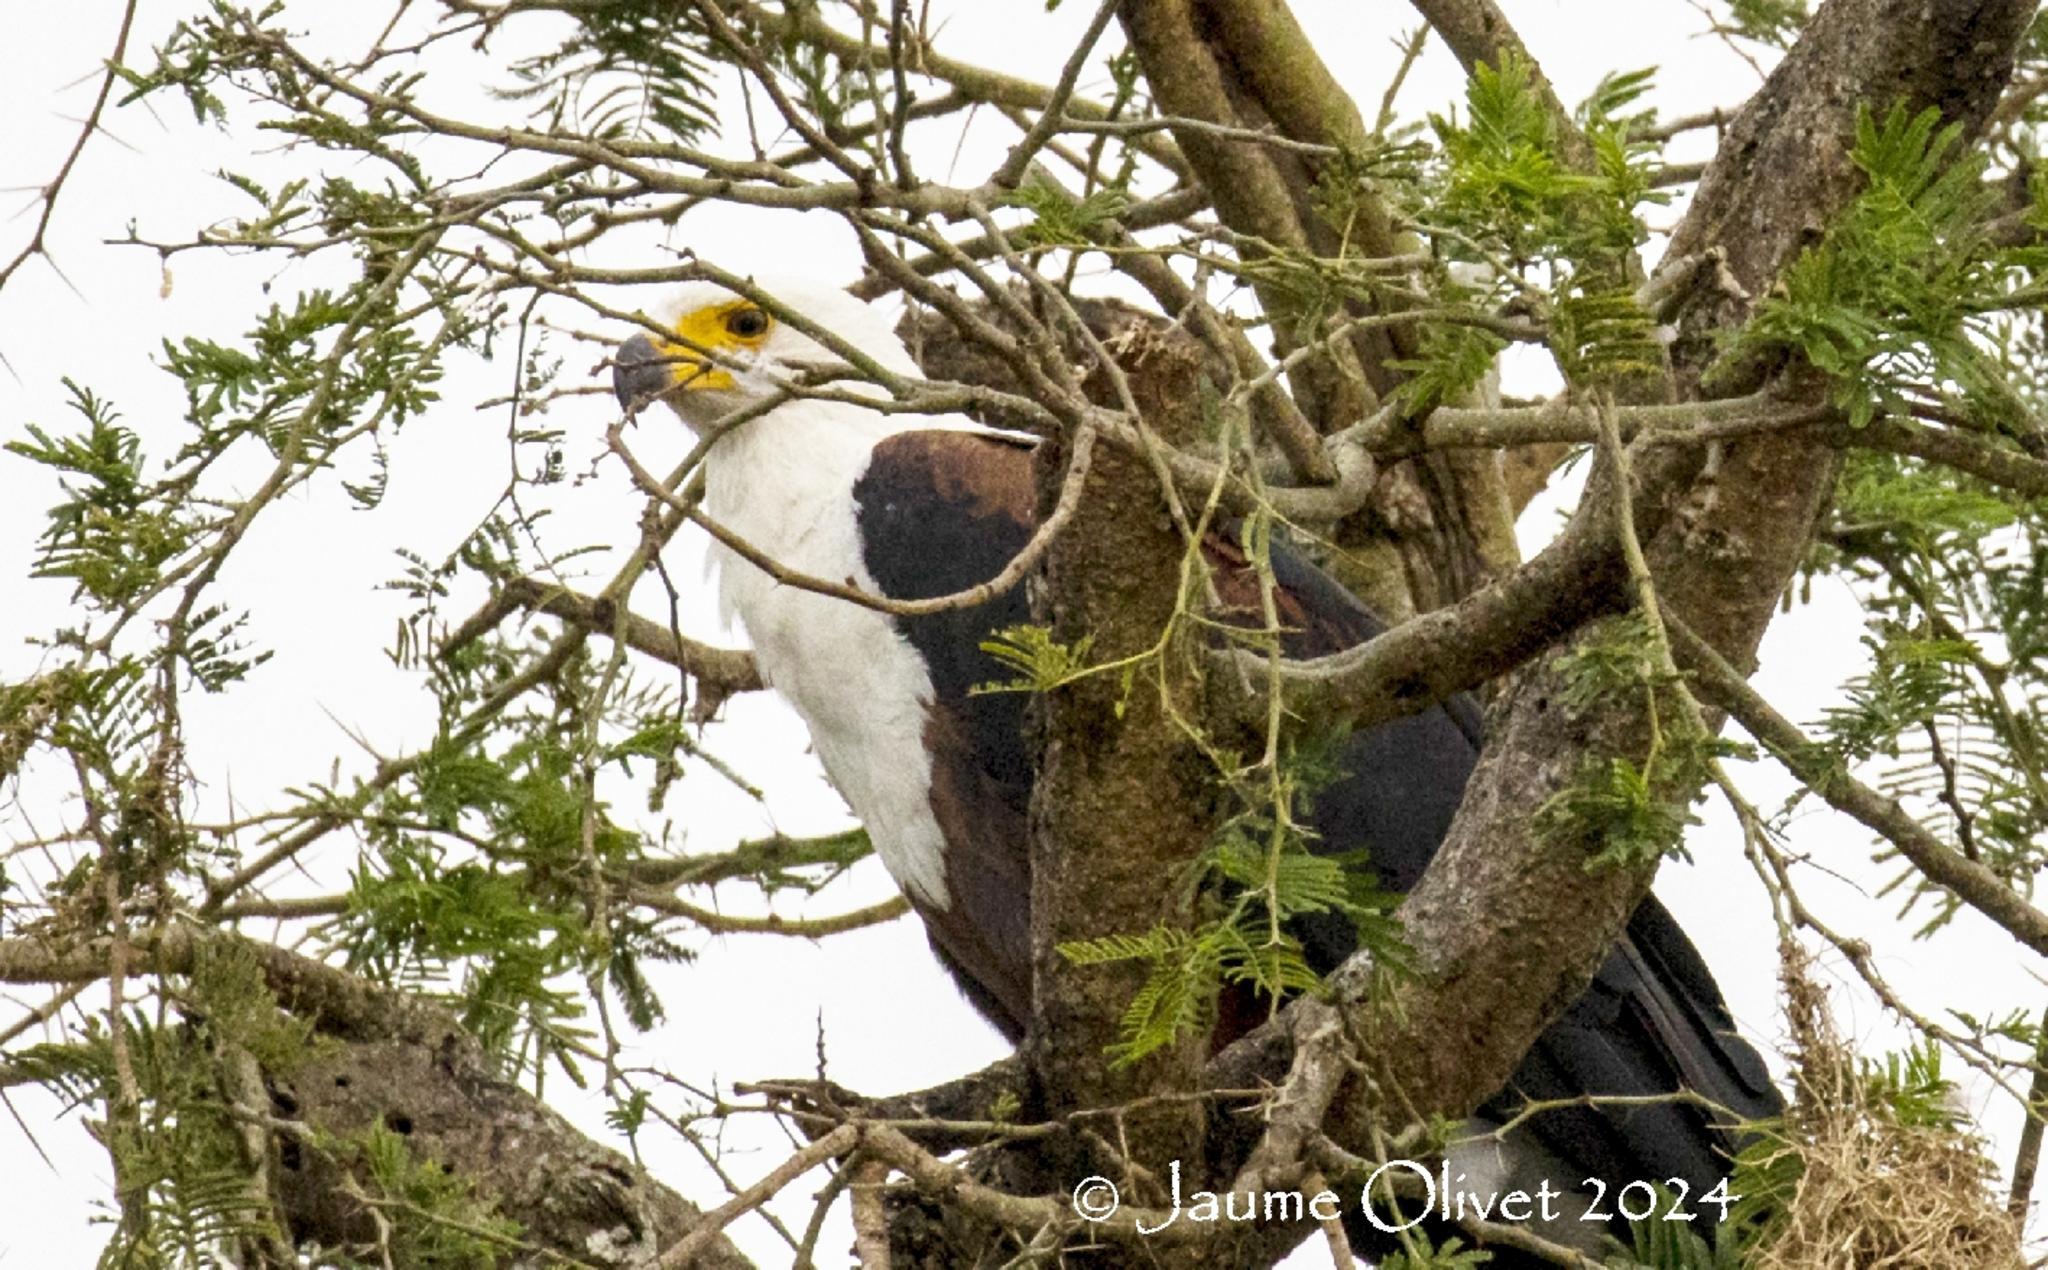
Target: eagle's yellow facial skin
{"type": "Point", "coordinates": [732, 327]}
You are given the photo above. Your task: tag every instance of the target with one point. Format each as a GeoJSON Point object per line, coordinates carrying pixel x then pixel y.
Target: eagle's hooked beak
{"type": "Point", "coordinates": [640, 373]}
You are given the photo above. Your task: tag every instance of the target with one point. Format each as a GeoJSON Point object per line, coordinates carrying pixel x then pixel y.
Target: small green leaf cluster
{"type": "Point", "coordinates": [311, 378]}
{"type": "Point", "coordinates": [1504, 179]}
{"type": "Point", "coordinates": [1423, 1253]}
{"type": "Point", "coordinates": [1622, 806]}
{"type": "Point", "coordinates": [631, 69]}
{"type": "Point", "coordinates": [1041, 662]}
{"type": "Point", "coordinates": [1551, 229]}
{"type": "Point", "coordinates": [480, 864]}
{"type": "Point", "coordinates": [1060, 220]}
{"type": "Point", "coordinates": [1601, 335]}
{"type": "Point", "coordinates": [1911, 1088]}
{"type": "Point", "coordinates": [1631, 810]}
{"type": "Point", "coordinates": [178, 1151]}
{"type": "Point", "coordinates": [1451, 360]}
{"type": "Point", "coordinates": [194, 59]}
{"type": "Point", "coordinates": [1660, 1243]}
{"type": "Point", "coordinates": [108, 534]}
{"type": "Point", "coordinates": [429, 1217]}
{"type": "Point", "coordinates": [1954, 704]}
{"type": "Point", "coordinates": [1895, 300]}
{"type": "Point", "coordinates": [1773, 22]}
{"type": "Point", "coordinates": [1912, 676]}
{"type": "Point", "coordinates": [1257, 878]}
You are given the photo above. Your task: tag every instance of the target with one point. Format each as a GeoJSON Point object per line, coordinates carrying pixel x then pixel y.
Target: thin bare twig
{"type": "Point", "coordinates": [36, 245]}
{"type": "Point", "coordinates": [1053, 115]}
{"type": "Point", "coordinates": [1012, 573]}
{"type": "Point", "coordinates": [1971, 882]}
{"type": "Point", "coordinates": [701, 1236]}
{"type": "Point", "coordinates": [2027, 1156]}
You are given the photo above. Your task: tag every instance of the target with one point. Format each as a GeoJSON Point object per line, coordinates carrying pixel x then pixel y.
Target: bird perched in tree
{"type": "Point", "coordinates": [914, 506]}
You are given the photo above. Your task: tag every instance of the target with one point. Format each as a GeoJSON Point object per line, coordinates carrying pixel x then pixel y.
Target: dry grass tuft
{"type": "Point", "coordinates": [1881, 1172]}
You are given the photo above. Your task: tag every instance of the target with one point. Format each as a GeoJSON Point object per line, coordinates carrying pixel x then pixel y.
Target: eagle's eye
{"type": "Point", "coordinates": [747, 324]}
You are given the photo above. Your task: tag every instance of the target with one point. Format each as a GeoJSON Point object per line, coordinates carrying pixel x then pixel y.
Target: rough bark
{"type": "Point", "coordinates": [392, 1057]}
{"type": "Point", "coordinates": [571, 1195]}
{"type": "Point", "coordinates": [1124, 798]}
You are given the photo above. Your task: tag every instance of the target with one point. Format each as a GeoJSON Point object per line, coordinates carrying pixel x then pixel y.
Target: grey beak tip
{"type": "Point", "coordinates": [639, 373]}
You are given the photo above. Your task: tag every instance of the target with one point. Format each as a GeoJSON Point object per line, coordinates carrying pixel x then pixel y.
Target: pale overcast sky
{"type": "Point", "coordinates": [750, 1007]}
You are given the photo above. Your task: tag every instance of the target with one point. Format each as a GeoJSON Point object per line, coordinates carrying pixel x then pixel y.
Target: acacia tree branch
{"type": "Point", "coordinates": [1294, 1115]}
{"type": "Point", "coordinates": [321, 821]}
{"type": "Point", "coordinates": [1774, 869]}
{"type": "Point", "coordinates": [656, 167]}
{"type": "Point", "coordinates": [693, 1246]}
{"type": "Point", "coordinates": [1252, 194]}
{"type": "Point", "coordinates": [772, 923]}
{"type": "Point", "coordinates": [1167, 209]}
{"type": "Point", "coordinates": [1481, 35]}
{"type": "Point", "coordinates": [1507, 919]}
{"type": "Point", "coordinates": [768, 856]}
{"type": "Point", "coordinates": [1053, 112]}
{"type": "Point", "coordinates": [1271, 71]}
{"type": "Point", "coordinates": [2027, 1155]}
{"type": "Point", "coordinates": [37, 239]}
{"type": "Point", "coordinates": [1717, 118]}
{"type": "Point", "coordinates": [395, 1052]}
{"type": "Point", "coordinates": [1273, 410]}
{"type": "Point", "coordinates": [727, 671]}
{"type": "Point", "coordinates": [652, 883]}
{"type": "Point", "coordinates": [1480, 638]}
{"type": "Point", "coordinates": [1406, 668]}
{"type": "Point", "coordinates": [1950, 447]}
{"type": "Point", "coordinates": [977, 83]}
{"type": "Point", "coordinates": [1973, 883]}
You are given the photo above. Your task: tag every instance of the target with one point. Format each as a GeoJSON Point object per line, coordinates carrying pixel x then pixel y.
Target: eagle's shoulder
{"type": "Point", "coordinates": [982, 476]}
{"type": "Point", "coordinates": [941, 510]}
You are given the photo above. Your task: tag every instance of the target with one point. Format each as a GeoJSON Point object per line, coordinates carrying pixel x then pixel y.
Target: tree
{"type": "Point", "coordinates": [1831, 371]}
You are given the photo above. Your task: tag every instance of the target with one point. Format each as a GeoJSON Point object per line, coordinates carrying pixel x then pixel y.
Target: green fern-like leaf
{"type": "Point", "coordinates": [1660, 1243]}
{"type": "Point", "coordinates": [1614, 804]}
{"type": "Point", "coordinates": [1157, 943]}
{"type": "Point", "coordinates": [1453, 359]}
{"type": "Point", "coordinates": [1603, 335]}
{"type": "Point", "coordinates": [1063, 221]}
{"type": "Point", "coordinates": [1424, 1254]}
{"type": "Point", "coordinates": [1042, 663]}
{"type": "Point", "coordinates": [1891, 298]}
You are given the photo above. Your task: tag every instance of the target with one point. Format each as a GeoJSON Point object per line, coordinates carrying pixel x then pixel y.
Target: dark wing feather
{"type": "Point", "coordinates": [941, 511]}
{"type": "Point", "coordinates": [1651, 1022]}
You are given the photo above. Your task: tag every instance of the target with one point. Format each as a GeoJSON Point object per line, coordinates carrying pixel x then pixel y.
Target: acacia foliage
{"type": "Point", "coordinates": [498, 865]}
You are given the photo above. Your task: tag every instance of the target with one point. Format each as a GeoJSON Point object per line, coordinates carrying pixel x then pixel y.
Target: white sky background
{"type": "Point", "coordinates": [751, 1006]}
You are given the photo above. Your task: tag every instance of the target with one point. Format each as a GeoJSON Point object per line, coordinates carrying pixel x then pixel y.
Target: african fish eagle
{"type": "Point", "coordinates": [916, 506]}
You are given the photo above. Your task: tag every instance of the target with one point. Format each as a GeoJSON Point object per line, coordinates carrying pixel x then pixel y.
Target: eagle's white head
{"type": "Point", "coordinates": [729, 352]}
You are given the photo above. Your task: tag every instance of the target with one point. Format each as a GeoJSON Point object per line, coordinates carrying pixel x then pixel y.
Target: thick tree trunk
{"type": "Point", "coordinates": [382, 1056]}
{"type": "Point", "coordinates": [1509, 924]}
{"type": "Point", "coordinates": [1124, 798]}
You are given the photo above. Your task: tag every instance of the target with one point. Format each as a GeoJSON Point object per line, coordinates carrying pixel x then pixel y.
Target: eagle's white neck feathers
{"type": "Point", "coordinates": [784, 482]}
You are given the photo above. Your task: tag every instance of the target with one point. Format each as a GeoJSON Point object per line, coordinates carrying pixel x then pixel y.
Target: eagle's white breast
{"type": "Point", "coordinates": [785, 484]}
